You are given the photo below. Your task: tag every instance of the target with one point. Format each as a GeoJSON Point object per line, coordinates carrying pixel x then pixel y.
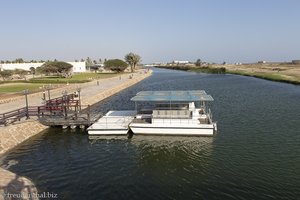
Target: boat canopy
{"type": "Point", "coordinates": [175, 96]}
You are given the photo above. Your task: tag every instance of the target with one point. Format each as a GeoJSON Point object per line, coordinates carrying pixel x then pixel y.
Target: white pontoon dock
{"type": "Point", "coordinates": [113, 123]}
{"type": "Point", "coordinates": [163, 113]}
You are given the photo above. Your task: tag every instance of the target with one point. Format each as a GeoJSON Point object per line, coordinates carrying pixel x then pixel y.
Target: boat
{"type": "Point", "coordinates": [184, 113]}
{"type": "Point", "coordinates": [173, 113]}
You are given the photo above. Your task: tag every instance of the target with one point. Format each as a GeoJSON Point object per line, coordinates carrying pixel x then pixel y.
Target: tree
{"type": "Point", "coordinates": [88, 61]}
{"type": "Point", "coordinates": [198, 62]}
{"type": "Point", "coordinates": [19, 60]}
{"type": "Point", "coordinates": [5, 74]}
{"type": "Point", "coordinates": [21, 73]}
{"type": "Point", "coordinates": [94, 68]}
{"type": "Point", "coordinates": [132, 59]}
{"type": "Point", "coordinates": [58, 67]}
{"type": "Point", "coordinates": [39, 70]}
{"type": "Point", "coordinates": [116, 65]}
{"type": "Point", "coordinates": [32, 71]}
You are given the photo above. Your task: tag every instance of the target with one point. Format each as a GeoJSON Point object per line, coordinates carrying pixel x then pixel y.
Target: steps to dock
{"type": "Point", "coordinates": [113, 123]}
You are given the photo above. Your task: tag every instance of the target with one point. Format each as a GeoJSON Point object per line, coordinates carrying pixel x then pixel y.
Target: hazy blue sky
{"type": "Point", "coordinates": [158, 30]}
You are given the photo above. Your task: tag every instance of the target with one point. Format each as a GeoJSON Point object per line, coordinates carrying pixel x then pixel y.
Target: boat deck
{"type": "Point", "coordinates": [113, 123]}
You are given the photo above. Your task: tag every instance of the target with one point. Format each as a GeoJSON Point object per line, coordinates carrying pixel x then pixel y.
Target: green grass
{"type": "Point", "coordinates": [267, 76]}
{"type": "Point", "coordinates": [34, 84]}
{"type": "Point", "coordinates": [76, 78]}
{"type": "Point", "coordinates": [210, 70]}
{"type": "Point", "coordinates": [17, 87]}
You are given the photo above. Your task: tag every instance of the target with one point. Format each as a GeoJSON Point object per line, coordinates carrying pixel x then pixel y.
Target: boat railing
{"type": "Point", "coordinates": [174, 120]}
{"type": "Point", "coordinates": [171, 114]}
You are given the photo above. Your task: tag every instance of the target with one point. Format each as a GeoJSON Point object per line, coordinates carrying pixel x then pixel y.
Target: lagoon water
{"type": "Point", "coordinates": [254, 155]}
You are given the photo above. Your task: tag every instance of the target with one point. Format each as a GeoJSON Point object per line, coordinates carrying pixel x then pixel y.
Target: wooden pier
{"type": "Point", "coordinates": [81, 119]}
{"type": "Point", "coordinates": [65, 111]}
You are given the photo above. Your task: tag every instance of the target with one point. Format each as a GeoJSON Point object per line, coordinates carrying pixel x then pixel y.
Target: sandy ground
{"type": "Point", "coordinates": [285, 70]}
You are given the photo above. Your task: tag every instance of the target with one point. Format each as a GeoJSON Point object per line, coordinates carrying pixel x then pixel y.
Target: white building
{"type": "Point", "coordinates": [77, 66]}
{"type": "Point", "coordinates": [181, 62]}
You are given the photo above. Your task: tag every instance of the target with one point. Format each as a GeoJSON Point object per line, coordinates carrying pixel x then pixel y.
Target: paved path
{"type": "Point", "coordinates": [87, 89]}
{"type": "Point", "coordinates": [10, 136]}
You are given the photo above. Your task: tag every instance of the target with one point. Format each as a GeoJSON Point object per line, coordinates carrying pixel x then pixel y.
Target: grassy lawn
{"type": "Point", "coordinates": [268, 76]}
{"type": "Point", "coordinates": [76, 78]}
{"type": "Point", "coordinates": [19, 87]}
{"type": "Point", "coordinates": [34, 84]}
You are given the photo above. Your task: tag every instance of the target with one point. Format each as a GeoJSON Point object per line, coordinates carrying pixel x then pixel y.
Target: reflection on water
{"type": "Point", "coordinates": [167, 148]}
{"type": "Point", "coordinates": [173, 157]}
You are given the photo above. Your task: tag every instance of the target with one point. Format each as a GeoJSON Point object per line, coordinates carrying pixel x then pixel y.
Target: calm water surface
{"type": "Point", "coordinates": [255, 154]}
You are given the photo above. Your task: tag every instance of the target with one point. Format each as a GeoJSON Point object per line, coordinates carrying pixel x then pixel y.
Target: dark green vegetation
{"type": "Point", "coordinates": [56, 67]}
{"type": "Point", "coordinates": [132, 59]}
{"type": "Point", "coordinates": [219, 70]}
{"type": "Point", "coordinates": [116, 65]}
{"type": "Point", "coordinates": [206, 69]}
{"type": "Point", "coordinates": [6, 74]}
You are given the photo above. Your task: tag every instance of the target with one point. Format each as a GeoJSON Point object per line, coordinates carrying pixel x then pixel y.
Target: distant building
{"type": "Point", "coordinates": [295, 61]}
{"type": "Point", "coordinates": [77, 66]}
{"type": "Point", "coordinates": [181, 62]}
{"type": "Point", "coordinates": [262, 62]}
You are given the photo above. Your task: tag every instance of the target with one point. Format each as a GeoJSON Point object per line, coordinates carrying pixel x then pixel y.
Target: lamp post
{"type": "Point", "coordinates": [48, 89]}
{"type": "Point", "coordinates": [64, 104]}
{"type": "Point", "coordinates": [25, 92]}
{"type": "Point", "coordinates": [44, 97]}
{"type": "Point", "coordinates": [79, 90]}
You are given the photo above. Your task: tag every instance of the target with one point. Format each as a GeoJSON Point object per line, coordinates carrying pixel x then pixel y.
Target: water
{"type": "Point", "coordinates": [255, 154]}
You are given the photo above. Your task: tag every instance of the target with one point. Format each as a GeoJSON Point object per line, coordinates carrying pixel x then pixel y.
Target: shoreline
{"type": "Point", "coordinates": [223, 69]}
{"type": "Point", "coordinates": [15, 134]}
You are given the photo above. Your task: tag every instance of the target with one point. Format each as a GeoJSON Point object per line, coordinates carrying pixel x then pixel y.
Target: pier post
{"type": "Point", "coordinates": [25, 92]}
{"type": "Point", "coordinates": [88, 114]}
{"type": "Point", "coordinates": [79, 90]}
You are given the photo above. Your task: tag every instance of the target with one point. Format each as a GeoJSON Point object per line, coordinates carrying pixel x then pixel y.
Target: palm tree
{"type": "Point", "coordinates": [132, 59]}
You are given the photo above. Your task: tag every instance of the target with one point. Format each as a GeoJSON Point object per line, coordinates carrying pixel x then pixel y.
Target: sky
{"type": "Point", "coordinates": [157, 30]}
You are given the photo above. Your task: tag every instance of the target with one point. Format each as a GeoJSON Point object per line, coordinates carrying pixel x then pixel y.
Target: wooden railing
{"type": "Point", "coordinates": [61, 106]}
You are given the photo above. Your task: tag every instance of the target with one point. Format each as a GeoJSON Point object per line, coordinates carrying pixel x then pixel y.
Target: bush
{"type": "Point", "coordinates": [116, 65]}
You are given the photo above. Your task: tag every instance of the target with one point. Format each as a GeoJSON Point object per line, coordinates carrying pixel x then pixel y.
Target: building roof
{"type": "Point", "coordinates": [174, 96]}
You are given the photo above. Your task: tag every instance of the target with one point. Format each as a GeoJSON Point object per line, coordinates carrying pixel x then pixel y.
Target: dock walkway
{"type": "Point", "coordinates": [113, 123]}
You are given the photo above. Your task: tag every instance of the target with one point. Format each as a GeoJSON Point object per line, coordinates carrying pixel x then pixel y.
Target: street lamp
{"type": "Point", "coordinates": [25, 92]}
{"type": "Point", "coordinates": [48, 89]}
{"type": "Point", "coordinates": [79, 90]}
{"type": "Point", "coordinates": [44, 97]}
{"type": "Point", "coordinates": [64, 103]}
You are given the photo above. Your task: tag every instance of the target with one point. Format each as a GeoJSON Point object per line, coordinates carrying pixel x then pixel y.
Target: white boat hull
{"type": "Point", "coordinates": [149, 129]}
